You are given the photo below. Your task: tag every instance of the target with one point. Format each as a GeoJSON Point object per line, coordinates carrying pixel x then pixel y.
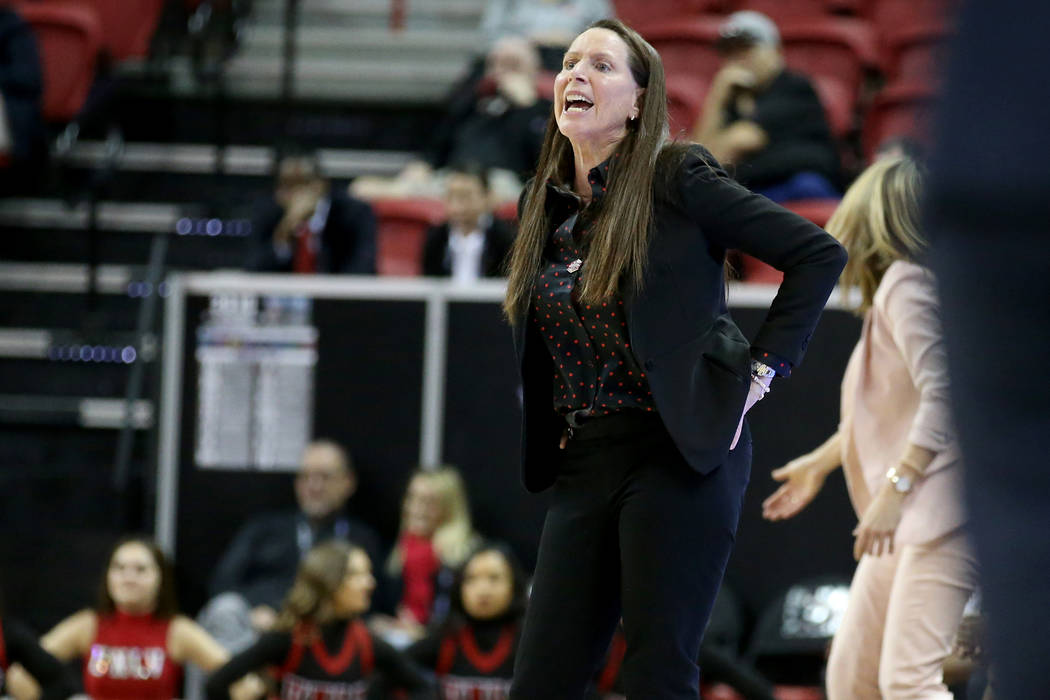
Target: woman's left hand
{"type": "Point", "coordinates": [754, 395]}
{"type": "Point", "coordinates": [876, 529]}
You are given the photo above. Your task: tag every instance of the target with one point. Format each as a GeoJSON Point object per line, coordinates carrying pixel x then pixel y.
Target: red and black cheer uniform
{"type": "Point", "coordinates": [340, 660]}
{"type": "Point", "coordinates": [473, 660]}
{"type": "Point", "coordinates": [129, 660]}
{"type": "Point", "coordinates": [18, 645]}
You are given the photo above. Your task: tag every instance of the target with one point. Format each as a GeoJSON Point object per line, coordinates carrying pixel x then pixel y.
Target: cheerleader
{"type": "Point", "coordinates": [320, 648]}
{"type": "Point", "coordinates": [133, 643]}
{"type": "Point", "coordinates": [473, 651]}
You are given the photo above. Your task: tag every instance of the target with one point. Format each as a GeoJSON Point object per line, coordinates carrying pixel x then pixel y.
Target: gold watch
{"type": "Point", "coordinates": [902, 483]}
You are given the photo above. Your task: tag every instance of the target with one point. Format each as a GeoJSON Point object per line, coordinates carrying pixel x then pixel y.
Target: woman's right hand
{"type": "Point", "coordinates": [802, 479]}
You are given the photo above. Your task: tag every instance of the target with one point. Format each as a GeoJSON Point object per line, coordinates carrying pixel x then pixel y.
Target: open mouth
{"type": "Point", "coordinates": [577, 103]}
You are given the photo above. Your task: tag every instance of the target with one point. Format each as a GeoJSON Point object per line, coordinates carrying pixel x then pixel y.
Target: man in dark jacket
{"type": "Point", "coordinates": [500, 121]}
{"type": "Point", "coordinates": [310, 226]}
{"type": "Point", "coordinates": [254, 575]}
{"type": "Point", "coordinates": [472, 243]}
{"type": "Point", "coordinates": [764, 120]}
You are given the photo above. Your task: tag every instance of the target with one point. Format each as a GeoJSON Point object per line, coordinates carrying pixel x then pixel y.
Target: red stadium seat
{"type": "Point", "coordinates": [816, 210]}
{"type": "Point", "coordinates": [901, 110]}
{"type": "Point", "coordinates": [402, 227]}
{"type": "Point", "coordinates": [893, 16]}
{"type": "Point", "coordinates": [839, 104]}
{"type": "Point", "coordinates": [915, 54]}
{"type": "Point", "coordinates": [836, 54]}
{"type": "Point", "coordinates": [834, 47]}
{"type": "Point", "coordinates": [685, 98]}
{"type": "Point", "coordinates": [69, 38]}
{"type": "Point", "coordinates": [638, 13]}
{"type": "Point", "coordinates": [687, 47]}
{"type": "Point", "coordinates": [127, 25]}
{"type": "Point", "coordinates": [788, 10]}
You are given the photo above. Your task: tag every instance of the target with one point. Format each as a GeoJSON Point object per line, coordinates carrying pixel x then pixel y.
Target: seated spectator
{"type": "Point", "coordinates": [19, 646]}
{"type": "Point", "coordinates": [309, 226]}
{"type": "Point", "coordinates": [319, 647]}
{"type": "Point", "coordinates": [22, 136]}
{"type": "Point", "coordinates": [133, 643]}
{"type": "Point", "coordinates": [498, 122]}
{"type": "Point", "coordinates": [472, 651]}
{"type": "Point", "coordinates": [436, 537]}
{"type": "Point", "coordinates": [550, 24]}
{"type": "Point", "coordinates": [260, 564]}
{"type": "Point", "coordinates": [765, 120]}
{"type": "Point", "coordinates": [472, 243]}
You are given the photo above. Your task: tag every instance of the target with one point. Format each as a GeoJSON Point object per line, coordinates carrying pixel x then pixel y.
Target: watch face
{"type": "Point", "coordinates": [761, 370]}
{"type": "Point", "coordinates": [903, 484]}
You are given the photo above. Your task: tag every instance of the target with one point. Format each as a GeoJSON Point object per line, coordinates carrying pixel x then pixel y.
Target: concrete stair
{"type": "Point", "coordinates": [347, 51]}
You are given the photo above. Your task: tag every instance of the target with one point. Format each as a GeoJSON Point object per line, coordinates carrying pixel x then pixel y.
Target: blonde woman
{"type": "Point", "coordinates": [436, 537]}
{"type": "Point", "coordinates": [899, 455]}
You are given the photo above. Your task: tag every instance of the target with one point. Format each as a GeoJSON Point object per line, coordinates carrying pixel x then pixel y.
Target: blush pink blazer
{"type": "Point", "coordinates": [895, 391]}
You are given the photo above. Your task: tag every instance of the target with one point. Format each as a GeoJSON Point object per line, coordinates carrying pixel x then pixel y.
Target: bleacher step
{"type": "Point", "coordinates": [357, 79]}
{"type": "Point", "coordinates": [422, 14]}
{"type": "Point", "coordinates": [142, 217]}
{"type": "Point", "coordinates": [86, 412]}
{"type": "Point", "coordinates": [202, 159]}
{"type": "Point", "coordinates": [421, 46]}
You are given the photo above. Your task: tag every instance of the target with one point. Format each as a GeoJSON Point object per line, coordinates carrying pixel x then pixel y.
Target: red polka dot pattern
{"type": "Point", "coordinates": [594, 367]}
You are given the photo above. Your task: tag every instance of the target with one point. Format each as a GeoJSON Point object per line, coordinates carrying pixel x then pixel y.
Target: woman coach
{"type": "Point", "coordinates": [635, 378]}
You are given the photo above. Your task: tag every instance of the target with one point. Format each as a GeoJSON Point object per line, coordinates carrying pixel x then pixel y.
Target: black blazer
{"type": "Point", "coordinates": [499, 235]}
{"type": "Point", "coordinates": [348, 240]}
{"type": "Point", "coordinates": [696, 360]}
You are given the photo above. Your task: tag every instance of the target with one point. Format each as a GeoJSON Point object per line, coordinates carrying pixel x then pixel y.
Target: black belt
{"type": "Point", "coordinates": [582, 426]}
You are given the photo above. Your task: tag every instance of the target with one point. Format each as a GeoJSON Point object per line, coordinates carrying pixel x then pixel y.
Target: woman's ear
{"type": "Point", "coordinates": [636, 109]}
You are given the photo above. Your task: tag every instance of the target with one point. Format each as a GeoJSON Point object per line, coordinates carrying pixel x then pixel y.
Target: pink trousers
{"type": "Point", "coordinates": [900, 622]}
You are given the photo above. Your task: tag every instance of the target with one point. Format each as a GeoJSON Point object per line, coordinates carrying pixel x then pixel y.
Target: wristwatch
{"type": "Point", "coordinates": [902, 483]}
{"type": "Point", "coordinates": [759, 369]}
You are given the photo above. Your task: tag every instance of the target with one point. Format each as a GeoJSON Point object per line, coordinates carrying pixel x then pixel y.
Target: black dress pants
{"type": "Point", "coordinates": [631, 530]}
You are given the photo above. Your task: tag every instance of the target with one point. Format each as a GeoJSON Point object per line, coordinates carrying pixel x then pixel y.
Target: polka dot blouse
{"type": "Point", "coordinates": [594, 368]}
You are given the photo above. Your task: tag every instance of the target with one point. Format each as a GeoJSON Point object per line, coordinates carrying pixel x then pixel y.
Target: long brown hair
{"type": "Point", "coordinates": [320, 575]}
{"type": "Point", "coordinates": [619, 236]}
{"type": "Point", "coordinates": [878, 222]}
{"type": "Point", "coordinates": [167, 605]}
